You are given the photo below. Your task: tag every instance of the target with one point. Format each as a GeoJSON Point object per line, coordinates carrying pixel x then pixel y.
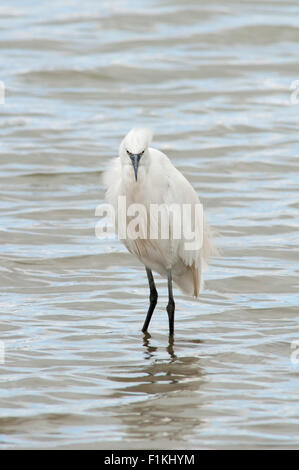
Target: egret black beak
{"type": "Point", "coordinates": [135, 158]}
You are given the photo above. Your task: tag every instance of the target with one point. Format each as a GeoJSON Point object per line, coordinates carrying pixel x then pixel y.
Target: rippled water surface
{"type": "Point", "coordinates": [213, 79]}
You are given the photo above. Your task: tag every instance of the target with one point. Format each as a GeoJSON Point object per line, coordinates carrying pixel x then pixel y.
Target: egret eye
{"type": "Point", "coordinates": [129, 153]}
{"type": "Point", "coordinates": [141, 153]}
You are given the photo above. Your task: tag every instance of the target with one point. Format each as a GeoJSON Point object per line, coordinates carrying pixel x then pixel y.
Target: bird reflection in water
{"type": "Point", "coordinates": [150, 350]}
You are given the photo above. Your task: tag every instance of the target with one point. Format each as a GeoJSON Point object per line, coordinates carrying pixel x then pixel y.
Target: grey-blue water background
{"type": "Point", "coordinates": [216, 82]}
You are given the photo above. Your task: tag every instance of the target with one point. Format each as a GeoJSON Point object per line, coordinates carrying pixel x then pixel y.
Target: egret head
{"type": "Point", "coordinates": [134, 147]}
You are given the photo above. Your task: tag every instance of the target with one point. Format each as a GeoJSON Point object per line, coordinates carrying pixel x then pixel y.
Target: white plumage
{"type": "Point", "coordinates": [146, 176]}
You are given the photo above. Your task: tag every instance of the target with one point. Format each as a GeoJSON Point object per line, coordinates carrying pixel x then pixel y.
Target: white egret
{"type": "Point", "coordinates": [146, 176]}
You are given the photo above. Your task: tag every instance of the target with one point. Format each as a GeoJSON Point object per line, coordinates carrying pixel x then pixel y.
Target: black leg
{"type": "Point", "coordinates": [171, 305]}
{"type": "Point", "coordinates": [153, 299]}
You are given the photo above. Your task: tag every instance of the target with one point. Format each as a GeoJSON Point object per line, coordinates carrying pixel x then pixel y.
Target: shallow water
{"type": "Point", "coordinates": [213, 79]}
